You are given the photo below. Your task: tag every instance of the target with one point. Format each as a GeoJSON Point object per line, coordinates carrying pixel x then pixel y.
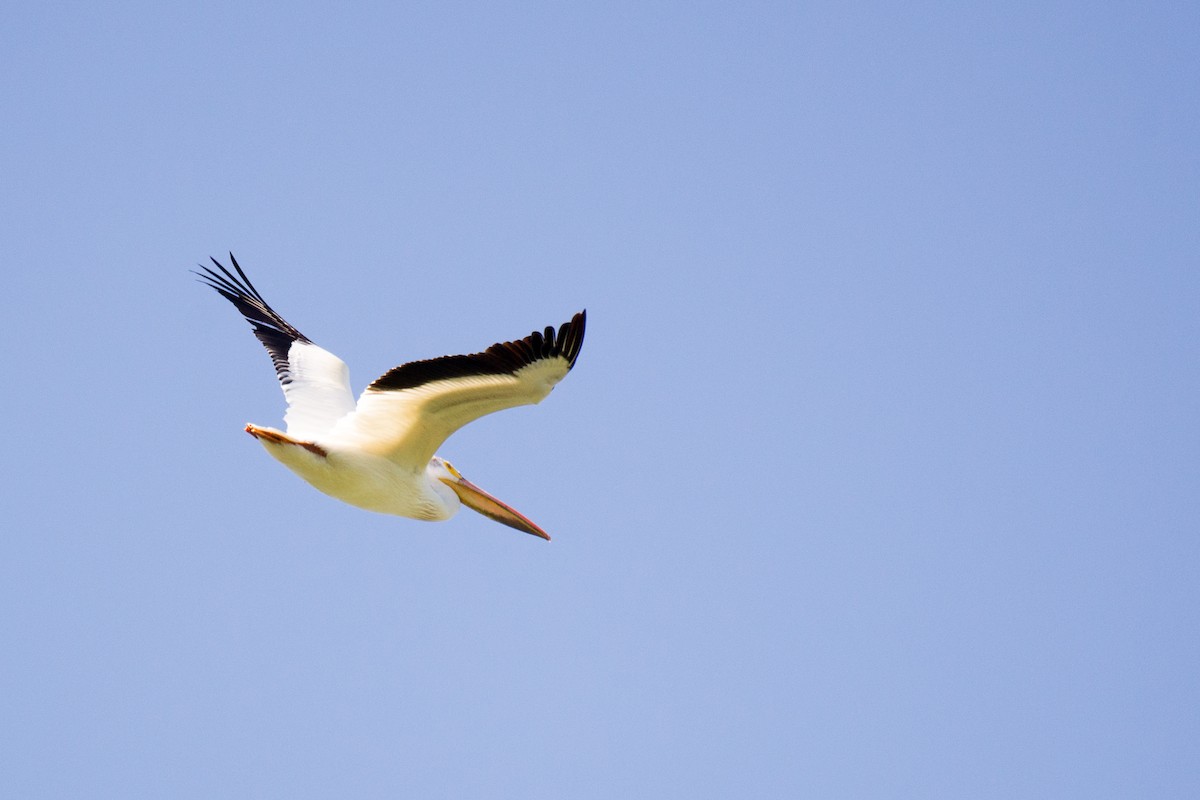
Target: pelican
{"type": "Point", "coordinates": [378, 454]}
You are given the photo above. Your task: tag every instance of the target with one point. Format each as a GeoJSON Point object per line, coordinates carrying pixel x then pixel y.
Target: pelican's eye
{"type": "Point", "coordinates": [450, 468]}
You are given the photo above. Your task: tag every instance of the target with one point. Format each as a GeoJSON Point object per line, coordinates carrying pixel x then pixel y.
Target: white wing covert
{"type": "Point", "coordinates": [315, 382]}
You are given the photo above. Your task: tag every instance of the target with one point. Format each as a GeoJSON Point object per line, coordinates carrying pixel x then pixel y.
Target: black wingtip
{"type": "Point", "coordinates": [570, 337]}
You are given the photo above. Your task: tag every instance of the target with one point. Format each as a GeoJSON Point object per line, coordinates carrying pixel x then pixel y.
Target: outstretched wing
{"type": "Point", "coordinates": [315, 382]}
{"type": "Point", "coordinates": [408, 412]}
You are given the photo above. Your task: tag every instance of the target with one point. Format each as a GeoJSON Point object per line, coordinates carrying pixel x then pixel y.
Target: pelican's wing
{"type": "Point", "coordinates": [407, 413]}
{"type": "Point", "coordinates": [315, 382]}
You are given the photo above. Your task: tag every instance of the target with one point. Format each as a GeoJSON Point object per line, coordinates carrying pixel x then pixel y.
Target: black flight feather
{"type": "Point", "coordinates": [272, 330]}
{"type": "Point", "coordinates": [502, 358]}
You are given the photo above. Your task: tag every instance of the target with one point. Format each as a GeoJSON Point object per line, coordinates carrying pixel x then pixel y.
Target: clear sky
{"type": "Point", "coordinates": [877, 476]}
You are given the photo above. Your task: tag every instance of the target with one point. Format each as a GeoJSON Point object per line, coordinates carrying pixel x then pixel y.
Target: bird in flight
{"type": "Point", "coordinates": [378, 453]}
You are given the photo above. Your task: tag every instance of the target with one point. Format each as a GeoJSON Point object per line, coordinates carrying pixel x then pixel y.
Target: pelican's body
{"type": "Point", "coordinates": [378, 453]}
{"type": "Point", "coordinates": [359, 478]}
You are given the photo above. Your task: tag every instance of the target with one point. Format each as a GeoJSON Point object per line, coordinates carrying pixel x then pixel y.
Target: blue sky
{"type": "Point", "coordinates": [877, 475]}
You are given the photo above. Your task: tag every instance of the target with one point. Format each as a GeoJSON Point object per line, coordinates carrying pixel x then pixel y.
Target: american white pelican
{"type": "Point", "coordinates": [378, 454]}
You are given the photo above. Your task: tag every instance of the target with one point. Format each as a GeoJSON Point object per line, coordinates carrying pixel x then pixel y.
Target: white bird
{"type": "Point", "coordinates": [378, 454]}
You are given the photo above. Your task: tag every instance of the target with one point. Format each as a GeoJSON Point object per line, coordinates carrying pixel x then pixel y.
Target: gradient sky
{"type": "Point", "coordinates": [877, 475]}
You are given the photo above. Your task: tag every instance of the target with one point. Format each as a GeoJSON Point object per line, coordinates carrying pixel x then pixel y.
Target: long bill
{"type": "Point", "coordinates": [477, 499]}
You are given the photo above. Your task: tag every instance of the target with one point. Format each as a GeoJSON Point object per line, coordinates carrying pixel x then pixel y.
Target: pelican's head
{"type": "Point", "coordinates": [477, 499]}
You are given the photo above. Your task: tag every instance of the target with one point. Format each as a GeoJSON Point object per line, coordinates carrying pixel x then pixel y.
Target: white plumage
{"type": "Point", "coordinates": [378, 453]}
